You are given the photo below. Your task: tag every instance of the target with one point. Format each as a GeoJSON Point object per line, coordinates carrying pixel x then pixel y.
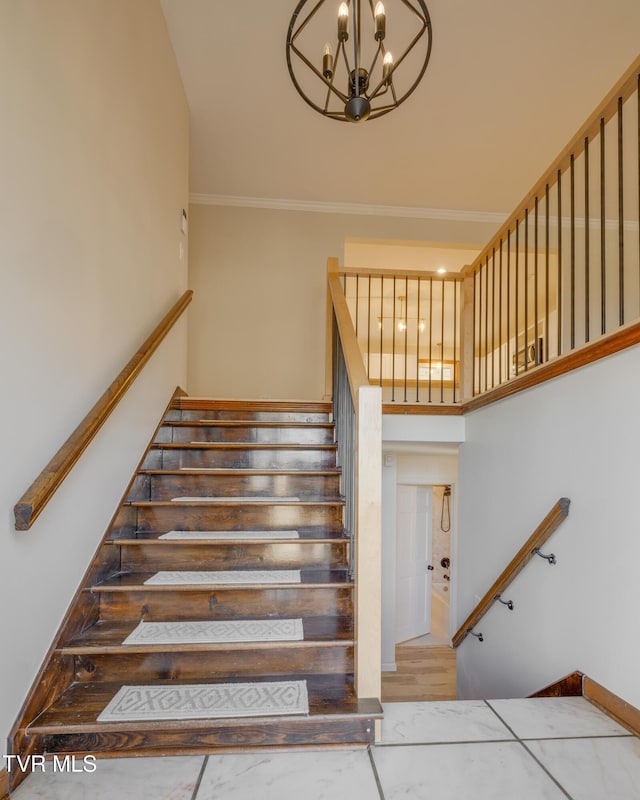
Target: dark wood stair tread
{"type": "Point", "coordinates": [242, 472]}
{"type": "Point", "coordinates": [153, 538]}
{"type": "Point", "coordinates": [309, 578]}
{"type": "Point", "coordinates": [243, 423]}
{"type": "Point", "coordinates": [107, 637]}
{"type": "Point", "coordinates": [240, 501]}
{"type": "Point", "coordinates": [239, 446]}
{"type": "Point", "coordinates": [331, 697]}
{"type": "Point", "coordinates": [212, 404]}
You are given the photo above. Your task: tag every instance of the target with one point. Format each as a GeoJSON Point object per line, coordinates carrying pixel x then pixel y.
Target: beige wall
{"type": "Point", "coordinates": [93, 170]}
{"type": "Point", "coordinates": [257, 324]}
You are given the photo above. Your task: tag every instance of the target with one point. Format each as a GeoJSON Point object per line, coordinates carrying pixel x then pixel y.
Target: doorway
{"type": "Point", "coordinates": [423, 564]}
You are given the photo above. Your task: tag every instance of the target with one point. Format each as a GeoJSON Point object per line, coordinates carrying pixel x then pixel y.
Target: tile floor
{"type": "Point", "coordinates": [534, 749]}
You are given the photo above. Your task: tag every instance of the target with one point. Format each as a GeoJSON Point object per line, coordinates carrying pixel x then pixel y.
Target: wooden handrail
{"type": "Point", "coordinates": [623, 89]}
{"type": "Point", "coordinates": [545, 529]}
{"type": "Point", "coordinates": [351, 349]}
{"type": "Point", "coordinates": [33, 501]}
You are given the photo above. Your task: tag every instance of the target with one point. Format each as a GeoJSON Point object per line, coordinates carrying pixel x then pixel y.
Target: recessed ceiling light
{"type": "Point", "coordinates": [441, 270]}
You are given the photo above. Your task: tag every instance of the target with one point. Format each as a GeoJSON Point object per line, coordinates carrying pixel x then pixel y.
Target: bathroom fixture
{"type": "Point", "coordinates": [446, 502]}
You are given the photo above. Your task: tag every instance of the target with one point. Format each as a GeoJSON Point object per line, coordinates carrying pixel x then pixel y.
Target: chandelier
{"type": "Point", "coordinates": [357, 64]}
{"type": "Point", "coordinates": [402, 322]}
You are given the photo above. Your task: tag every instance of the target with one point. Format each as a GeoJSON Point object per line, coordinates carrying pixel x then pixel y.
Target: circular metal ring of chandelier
{"type": "Point", "coordinates": [359, 77]}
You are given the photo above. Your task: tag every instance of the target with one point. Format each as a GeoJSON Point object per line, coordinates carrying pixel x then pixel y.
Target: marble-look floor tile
{"type": "Point", "coordinates": [321, 775]}
{"type": "Point", "coordinates": [593, 769]}
{"type": "Point", "coordinates": [477, 771]}
{"type": "Point", "coordinates": [542, 717]}
{"type": "Point", "coordinates": [116, 779]}
{"type": "Point", "coordinates": [455, 721]}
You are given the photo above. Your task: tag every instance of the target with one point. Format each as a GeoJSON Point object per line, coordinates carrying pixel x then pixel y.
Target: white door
{"type": "Point", "coordinates": [413, 556]}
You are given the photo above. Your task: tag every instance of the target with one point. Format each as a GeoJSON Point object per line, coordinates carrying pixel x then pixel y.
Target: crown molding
{"type": "Point", "coordinates": [361, 209]}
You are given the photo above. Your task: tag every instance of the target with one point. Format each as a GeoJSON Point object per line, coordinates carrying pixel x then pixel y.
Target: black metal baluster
{"type": "Point", "coordinates": [455, 337]}
{"type": "Point", "coordinates": [430, 331]}
{"type": "Point", "coordinates": [620, 218]}
{"type": "Point", "coordinates": [473, 333]}
{"type": "Point", "coordinates": [535, 284]}
{"type": "Point", "coordinates": [486, 326]}
{"type": "Point", "coordinates": [406, 330]}
{"type": "Point", "coordinates": [381, 322]}
{"type": "Point", "coordinates": [517, 303]}
{"type": "Point", "coordinates": [573, 255]}
{"type": "Point", "coordinates": [442, 285]}
{"type": "Point", "coordinates": [559, 289]}
{"type": "Point", "coordinates": [603, 241]}
{"type": "Point", "coordinates": [357, 301]}
{"type": "Point", "coordinates": [393, 346]}
{"type": "Point", "coordinates": [526, 289]}
{"type": "Point", "coordinates": [500, 321]}
{"type": "Point", "coordinates": [586, 239]}
{"type": "Point", "coordinates": [508, 375]}
{"type": "Point", "coordinates": [493, 317]}
{"type": "Point", "coordinates": [418, 349]}
{"type": "Point", "coordinates": [369, 330]}
{"type": "Point", "coordinates": [546, 272]}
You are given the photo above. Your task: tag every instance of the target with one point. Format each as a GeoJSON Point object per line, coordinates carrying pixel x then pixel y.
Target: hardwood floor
{"type": "Point", "coordinates": [423, 673]}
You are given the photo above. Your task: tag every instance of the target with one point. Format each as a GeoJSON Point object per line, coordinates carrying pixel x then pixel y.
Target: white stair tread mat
{"type": "Point", "coordinates": [248, 535]}
{"type": "Point", "coordinates": [250, 499]}
{"type": "Point", "coordinates": [240, 576]}
{"type": "Point", "coordinates": [207, 701]}
{"type": "Point", "coordinates": [212, 631]}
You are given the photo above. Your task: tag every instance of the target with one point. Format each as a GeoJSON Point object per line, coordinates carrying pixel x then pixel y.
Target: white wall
{"type": "Point", "coordinates": [94, 173]}
{"type": "Point", "coordinates": [257, 324]}
{"type": "Point", "coordinates": [579, 437]}
{"type": "Point", "coordinates": [423, 466]}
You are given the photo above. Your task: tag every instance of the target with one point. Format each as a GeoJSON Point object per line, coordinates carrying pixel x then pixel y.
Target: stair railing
{"type": "Point", "coordinates": [408, 328]}
{"type": "Point", "coordinates": [358, 419]}
{"type": "Point", "coordinates": [559, 284]}
{"type": "Point", "coordinates": [34, 500]}
{"type": "Point", "coordinates": [529, 549]}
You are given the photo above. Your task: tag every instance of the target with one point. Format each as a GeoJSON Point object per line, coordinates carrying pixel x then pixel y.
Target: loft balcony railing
{"type": "Point", "coordinates": [564, 270]}
{"type": "Point", "coordinates": [408, 330]}
{"type": "Point", "coordinates": [556, 288]}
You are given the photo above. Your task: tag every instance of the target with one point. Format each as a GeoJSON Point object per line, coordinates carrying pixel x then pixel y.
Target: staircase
{"type": "Point", "coordinates": [246, 476]}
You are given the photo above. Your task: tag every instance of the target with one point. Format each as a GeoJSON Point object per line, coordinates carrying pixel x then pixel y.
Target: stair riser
{"type": "Point", "coordinates": [206, 604]}
{"type": "Point", "coordinates": [240, 518]}
{"type": "Point", "coordinates": [202, 667]}
{"type": "Point", "coordinates": [285, 555]}
{"type": "Point", "coordinates": [244, 434]}
{"type": "Point", "coordinates": [184, 742]}
{"type": "Point", "coordinates": [242, 458]}
{"type": "Point", "coordinates": [166, 487]}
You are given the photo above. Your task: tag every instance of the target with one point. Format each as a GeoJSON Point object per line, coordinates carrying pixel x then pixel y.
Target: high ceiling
{"type": "Point", "coordinates": [509, 82]}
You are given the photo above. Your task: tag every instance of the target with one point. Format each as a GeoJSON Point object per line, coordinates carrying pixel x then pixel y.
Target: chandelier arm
{"type": "Point", "coordinates": [346, 61]}
{"type": "Point", "coordinates": [312, 67]}
{"type": "Point", "coordinates": [304, 24]}
{"type": "Point", "coordinates": [379, 49]}
{"type": "Point", "coordinates": [397, 63]}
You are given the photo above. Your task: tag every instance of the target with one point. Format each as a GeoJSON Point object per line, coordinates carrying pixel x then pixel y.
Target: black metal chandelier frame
{"type": "Point", "coordinates": [360, 100]}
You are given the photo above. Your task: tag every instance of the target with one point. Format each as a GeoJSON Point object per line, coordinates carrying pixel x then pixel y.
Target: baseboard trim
{"type": "Point", "coordinates": [615, 707]}
{"type": "Point", "coordinates": [4, 784]}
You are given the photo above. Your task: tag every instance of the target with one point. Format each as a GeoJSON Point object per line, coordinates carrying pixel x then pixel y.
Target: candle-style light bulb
{"type": "Point", "coordinates": [387, 66]}
{"type": "Point", "coordinates": [343, 22]}
{"type": "Point", "coordinates": [381, 21]}
{"type": "Point", "coordinates": [327, 62]}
